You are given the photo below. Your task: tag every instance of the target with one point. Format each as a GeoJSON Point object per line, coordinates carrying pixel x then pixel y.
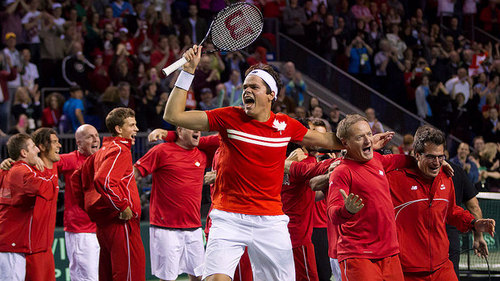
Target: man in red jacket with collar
{"type": "Point", "coordinates": [19, 189]}
{"type": "Point", "coordinates": [118, 210]}
{"type": "Point", "coordinates": [424, 200]}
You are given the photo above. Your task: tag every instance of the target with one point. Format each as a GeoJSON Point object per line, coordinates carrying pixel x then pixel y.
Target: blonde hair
{"type": "Point", "coordinates": [489, 151]}
{"type": "Point", "coordinates": [346, 123]}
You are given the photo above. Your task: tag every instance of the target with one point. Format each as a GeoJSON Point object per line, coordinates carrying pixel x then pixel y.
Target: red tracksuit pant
{"type": "Point", "coordinates": [122, 254]}
{"type": "Point", "coordinates": [386, 269]}
{"type": "Point", "coordinates": [40, 267]}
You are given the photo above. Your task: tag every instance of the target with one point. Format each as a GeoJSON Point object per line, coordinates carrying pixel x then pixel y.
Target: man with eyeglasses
{"type": "Point", "coordinates": [424, 200]}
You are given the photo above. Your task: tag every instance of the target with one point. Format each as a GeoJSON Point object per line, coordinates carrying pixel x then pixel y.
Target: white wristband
{"type": "Point", "coordinates": [184, 80]}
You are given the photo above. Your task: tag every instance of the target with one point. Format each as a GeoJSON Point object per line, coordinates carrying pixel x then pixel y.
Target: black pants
{"type": "Point", "coordinates": [320, 240]}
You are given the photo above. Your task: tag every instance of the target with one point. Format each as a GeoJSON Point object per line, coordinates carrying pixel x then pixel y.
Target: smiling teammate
{"type": "Point", "coordinates": [40, 266]}
{"type": "Point", "coordinates": [117, 212]}
{"type": "Point", "coordinates": [247, 207]}
{"type": "Point", "coordinates": [424, 201]}
{"type": "Point", "coordinates": [19, 189]}
{"type": "Point", "coordinates": [367, 247]}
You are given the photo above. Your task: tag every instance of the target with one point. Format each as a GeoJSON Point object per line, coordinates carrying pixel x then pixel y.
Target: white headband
{"type": "Point", "coordinates": [268, 79]}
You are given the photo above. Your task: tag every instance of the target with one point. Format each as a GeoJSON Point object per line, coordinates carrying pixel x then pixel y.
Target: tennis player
{"type": "Point", "coordinates": [247, 207]}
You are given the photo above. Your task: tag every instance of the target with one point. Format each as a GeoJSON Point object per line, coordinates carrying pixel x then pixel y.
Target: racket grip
{"type": "Point", "coordinates": [174, 66]}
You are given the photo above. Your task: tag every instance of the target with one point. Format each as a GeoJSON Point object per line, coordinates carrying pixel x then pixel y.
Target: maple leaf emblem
{"type": "Point", "coordinates": [280, 126]}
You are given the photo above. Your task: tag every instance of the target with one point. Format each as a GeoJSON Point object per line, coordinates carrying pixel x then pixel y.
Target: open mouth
{"type": "Point", "coordinates": [367, 149]}
{"type": "Point", "coordinates": [196, 137]}
{"type": "Point", "coordinates": [248, 100]}
{"type": "Point", "coordinates": [434, 169]}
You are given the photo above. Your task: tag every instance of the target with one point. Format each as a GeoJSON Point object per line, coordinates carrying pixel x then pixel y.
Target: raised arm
{"type": "Point", "coordinates": [325, 140]}
{"type": "Point", "coordinates": [175, 110]}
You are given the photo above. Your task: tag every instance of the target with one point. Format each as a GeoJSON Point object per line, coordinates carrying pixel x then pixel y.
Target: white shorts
{"type": "Point", "coordinates": [12, 267]}
{"type": "Point", "coordinates": [334, 264]}
{"type": "Point", "coordinates": [267, 239]}
{"type": "Point", "coordinates": [176, 251]}
{"type": "Point", "coordinates": [83, 254]}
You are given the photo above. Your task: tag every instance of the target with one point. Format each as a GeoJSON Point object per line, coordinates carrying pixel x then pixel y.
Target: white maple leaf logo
{"type": "Point", "coordinates": [280, 126]}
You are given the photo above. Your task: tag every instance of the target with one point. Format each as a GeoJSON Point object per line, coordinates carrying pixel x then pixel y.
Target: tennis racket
{"type": "Point", "coordinates": [233, 28]}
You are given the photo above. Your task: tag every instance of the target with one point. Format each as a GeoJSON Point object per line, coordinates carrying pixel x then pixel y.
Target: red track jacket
{"type": "Point", "coordinates": [20, 187]}
{"type": "Point", "coordinates": [114, 187]}
{"type": "Point", "coordinates": [422, 208]}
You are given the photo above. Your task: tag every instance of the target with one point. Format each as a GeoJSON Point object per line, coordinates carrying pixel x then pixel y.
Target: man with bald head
{"type": "Point", "coordinates": [80, 232]}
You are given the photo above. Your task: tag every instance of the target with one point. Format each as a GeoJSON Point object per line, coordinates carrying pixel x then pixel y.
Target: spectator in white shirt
{"type": "Point", "coordinates": [29, 71]}
{"type": "Point", "coordinates": [459, 84]}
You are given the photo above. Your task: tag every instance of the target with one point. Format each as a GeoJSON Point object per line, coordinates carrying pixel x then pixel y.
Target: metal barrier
{"type": "Point", "coordinates": [480, 35]}
{"type": "Point", "coordinates": [349, 88]}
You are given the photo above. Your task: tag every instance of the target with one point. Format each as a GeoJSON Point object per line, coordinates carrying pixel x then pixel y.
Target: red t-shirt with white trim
{"type": "Point", "coordinates": [251, 161]}
{"type": "Point", "coordinates": [177, 184]}
{"type": "Point", "coordinates": [75, 218]}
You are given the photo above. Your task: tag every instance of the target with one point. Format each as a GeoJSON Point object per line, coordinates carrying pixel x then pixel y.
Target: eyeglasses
{"type": "Point", "coordinates": [431, 157]}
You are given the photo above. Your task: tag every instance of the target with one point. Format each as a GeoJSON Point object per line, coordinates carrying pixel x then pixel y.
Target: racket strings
{"type": "Point", "coordinates": [236, 27]}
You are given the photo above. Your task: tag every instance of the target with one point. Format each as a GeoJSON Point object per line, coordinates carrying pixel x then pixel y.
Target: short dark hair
{"type": "Point", "coordinates": [117, 117]}
{"type": "Point", "coordinates": [269, 69]}
{"type": "Point", "coordinates": [73, 89]}
{"type": "Point", "coordinates": [427, 134]}
{"type": "Point", "coordinates": [122, 84]}
{"type": "Point", "coordinates": [42, 137]}
{"type": "Point", "coordinates": [16, 143]}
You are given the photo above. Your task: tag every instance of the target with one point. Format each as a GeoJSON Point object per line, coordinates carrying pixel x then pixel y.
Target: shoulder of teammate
{"type": "Point", "coordinates": [149, 161]}
{"type": "Point", "coordinates": [65, 161]}
{"type": "Point", "coordinates": [394, 161]}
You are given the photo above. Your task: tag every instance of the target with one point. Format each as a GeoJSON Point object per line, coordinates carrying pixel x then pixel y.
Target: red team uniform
{"type": "Point", "coordinates": [298, 203]}
{"type": "Point", "coordinates": [76, 219]}
{"type": "Point", "coordinates": [122, 254]}
{"type": "Point", "coordinates": [175, 204]}
{"type": "Point", "coordinates": [249, 184]}
{"type": "Point", "coordinates": [40, 266]}
{"type": "Point", "coordinates": [368, 240]}
{"type": "Point", "coordinates": [422, 208]}
{"type": "Point", "coordinates": [80, 230]}
{"type": "Point", "coordinates": [20, 188]}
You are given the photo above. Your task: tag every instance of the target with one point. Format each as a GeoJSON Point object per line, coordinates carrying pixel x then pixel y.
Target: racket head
{"type": "Point", "coordinates": [236, 27]}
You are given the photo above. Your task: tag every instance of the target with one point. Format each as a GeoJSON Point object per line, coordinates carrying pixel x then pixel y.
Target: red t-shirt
{"type": "Point", "coordinates": [319, 214]}
{"type": "Point", "coordinates": [370, 233]}
{"type": "Point", "coordinates": [177, 184]}
{"type": "Point", "coordinates": [44, 213]}
{"type": "Point", "coordinates": [251, 162]}
{"type": "Point", "coordinates": [75, 218]}
{"type": "Point", "coordinates": [298, 201]}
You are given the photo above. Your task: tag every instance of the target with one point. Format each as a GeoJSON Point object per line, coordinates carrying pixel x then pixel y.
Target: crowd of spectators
{"type": "Point", "coordinates": [110, 53]}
